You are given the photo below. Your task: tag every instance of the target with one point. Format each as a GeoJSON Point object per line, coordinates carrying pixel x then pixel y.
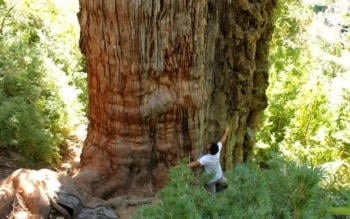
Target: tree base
{"type": "Point", "coordinates": [33, 193]}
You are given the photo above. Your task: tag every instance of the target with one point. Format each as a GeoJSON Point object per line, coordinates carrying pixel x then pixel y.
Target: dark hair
{"type": "Point", "coordinates": [214, 148]}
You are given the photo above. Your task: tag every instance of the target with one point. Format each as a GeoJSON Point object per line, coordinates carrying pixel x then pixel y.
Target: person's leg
{"type": "Point", "coordinates": [221, 184]}
{"type": "Point", "coordinates": [211, 187]}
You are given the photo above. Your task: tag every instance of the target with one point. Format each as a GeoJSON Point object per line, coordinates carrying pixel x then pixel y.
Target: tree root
{"type": "Point", "coordinates": [32, 194]}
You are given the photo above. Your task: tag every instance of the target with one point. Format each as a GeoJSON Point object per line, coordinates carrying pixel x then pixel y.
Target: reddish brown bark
{"type": "Point", "coordinates": [165, 78]}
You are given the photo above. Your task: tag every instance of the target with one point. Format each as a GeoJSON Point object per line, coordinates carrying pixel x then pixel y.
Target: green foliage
{"type": "Point", "coordinates": [340, 211]}
{"type": "Point", "coordinates": [301, 195]}
{"type": "Point", "coordinates": [284, 190]}
{"type": "Point", "coordinates": [178, 198]}
{"type": "Point", "coordinates": [31, 112]}
{"type": "Point", "coordinates": [36, 99]}
{"type": "Point", "coordinates": [307, 120]}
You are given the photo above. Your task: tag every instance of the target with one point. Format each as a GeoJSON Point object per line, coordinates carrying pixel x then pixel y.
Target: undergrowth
{"type": "Point", "coordinates": [282, 190]}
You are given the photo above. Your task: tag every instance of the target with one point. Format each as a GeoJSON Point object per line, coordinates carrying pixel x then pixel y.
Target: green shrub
{"type": "Point", "coordinates": [285, 190]}
{"type": "Point", "coordinates": [32, 115]}
{"type": "Point", "coordinates": [307, 119]}
{"type": "Point", "coordinates": [38, 106]}
{"type": "Point", "coordinates": [296, 190]}
{"type": "Point", "coordinates": [178, 199]}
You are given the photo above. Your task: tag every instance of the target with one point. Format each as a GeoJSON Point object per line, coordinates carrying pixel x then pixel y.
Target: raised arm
{"type": "Point", "coordinates": [224, 137]}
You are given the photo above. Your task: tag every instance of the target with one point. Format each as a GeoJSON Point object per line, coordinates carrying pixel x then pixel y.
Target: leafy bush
{"type": "Point", "coordinates": [285, 190]}
{"type": "Point", "coordinates": [38, 106]}
{"type": "Point", "coordinates": [307, 119]}
{"type": "Point", "coordinates": [32, 115]}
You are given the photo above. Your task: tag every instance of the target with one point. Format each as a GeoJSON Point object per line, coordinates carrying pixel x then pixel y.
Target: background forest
{"type": "Point", "coordinates": [42, 84]}
{"type": "Point", "coordinates": [302, 157]}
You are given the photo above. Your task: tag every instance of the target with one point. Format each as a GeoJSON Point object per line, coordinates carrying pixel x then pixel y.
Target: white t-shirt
{"type": "Point", "coordinates": [211, 164]}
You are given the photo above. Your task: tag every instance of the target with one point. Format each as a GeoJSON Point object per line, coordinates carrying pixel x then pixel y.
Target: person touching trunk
{"type": "Point", "coordinates": [211, 164]}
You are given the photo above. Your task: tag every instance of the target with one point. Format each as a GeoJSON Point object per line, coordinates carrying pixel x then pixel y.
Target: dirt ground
{"type": "Point", "coordinates": [126, 206]}
{"type": "Point", "coordinates": [7, 165]}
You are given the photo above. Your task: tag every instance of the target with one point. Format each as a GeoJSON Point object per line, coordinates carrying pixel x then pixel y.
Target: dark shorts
{"type": "Point", "coordinates": [217, 186]}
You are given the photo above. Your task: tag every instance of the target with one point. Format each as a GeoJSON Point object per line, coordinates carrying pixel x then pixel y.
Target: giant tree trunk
{"type": "Point", "coordinates": [164, 78]}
